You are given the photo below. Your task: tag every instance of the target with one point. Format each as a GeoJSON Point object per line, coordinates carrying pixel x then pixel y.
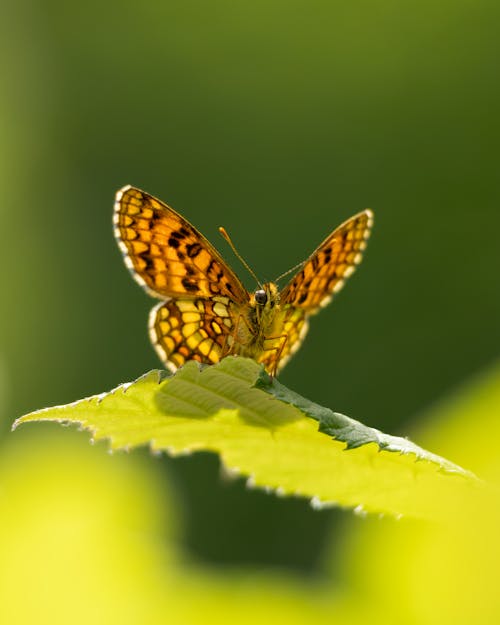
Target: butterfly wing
{"type": "Point", "coordinates": [173, 261]}
{"type": "Point", "coordinates": [191, 329]}
{"type": "Point", "coordinates": [166, 254]}
{"type": "Point", "coordinates": [326, 270]}
{"type": "Point", "coordinates": [322, 276]}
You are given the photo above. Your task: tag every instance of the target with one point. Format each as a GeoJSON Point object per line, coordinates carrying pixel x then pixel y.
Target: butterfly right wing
{"type": "Point", "coordinates": [324, 273]}
{"type": "Point", "coordinates": [166, 254]}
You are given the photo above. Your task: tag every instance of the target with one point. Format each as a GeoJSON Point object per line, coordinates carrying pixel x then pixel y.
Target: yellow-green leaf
{"type": "Point", "coordinates": [276, 438]}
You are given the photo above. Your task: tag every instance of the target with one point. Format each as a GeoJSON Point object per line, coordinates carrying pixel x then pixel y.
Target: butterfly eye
{"type": "Point", "coordinates": [260, 297]}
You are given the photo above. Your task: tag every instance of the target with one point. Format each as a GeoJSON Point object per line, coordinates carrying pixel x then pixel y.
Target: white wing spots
{"type": "Point", "coordinates": [303, 331]}
{"type": "Point", "coordinates": [123, 248]}
{"type": "Point", "coordinates": [120, 193]}
{"type": "Point", "coordinates": [297, 344]}
{"type": "Point", "coordinates": [139, 280]}
{"type": "Point", "coordinates": [154, 338]}
{"type": "Point", "coordinates": [349, 270]}
{"type": "Point", "coordinates": [325, 301]}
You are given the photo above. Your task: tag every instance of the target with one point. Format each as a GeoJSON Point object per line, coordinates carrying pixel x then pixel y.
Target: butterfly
{"type": "Point", "coordinates": [205, 312]}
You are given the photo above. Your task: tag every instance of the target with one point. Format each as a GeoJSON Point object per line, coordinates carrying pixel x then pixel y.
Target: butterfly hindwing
{"type": "Point", "coordinates": [191, 329]}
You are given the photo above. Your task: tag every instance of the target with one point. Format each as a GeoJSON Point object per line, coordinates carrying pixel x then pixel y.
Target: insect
{"type": "Point", "coordinates": [205, 312]}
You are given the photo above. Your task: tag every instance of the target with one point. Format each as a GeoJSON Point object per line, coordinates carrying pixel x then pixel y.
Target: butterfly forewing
{"type": "Point", "coordinates": [325, 271]}
{"type": "Point", "coordinates": [166, 254]}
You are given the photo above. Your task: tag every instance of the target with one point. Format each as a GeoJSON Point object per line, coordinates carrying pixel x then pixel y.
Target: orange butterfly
{"type": "Point", "coordinates": [206, 313]}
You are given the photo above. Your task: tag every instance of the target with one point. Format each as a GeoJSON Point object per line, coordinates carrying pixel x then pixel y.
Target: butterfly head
{"type": "Point", "coordinates": [265, 298]}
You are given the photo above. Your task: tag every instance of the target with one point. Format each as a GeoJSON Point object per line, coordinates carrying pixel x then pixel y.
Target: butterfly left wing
{"type": "Point", "coordinates": [324, 273]}
{"type": "Point", "coordinates": [191, 329]}
{"type": "Point", "coordinates": [171, 260]}
{"type": "Point", "coordinates": [166, 255]}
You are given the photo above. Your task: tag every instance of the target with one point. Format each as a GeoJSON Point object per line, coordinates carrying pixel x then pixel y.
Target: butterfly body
{"type": "Point", "coordinates": [258, 325]}
{"type": "Point", "coordinates": [206, 313]}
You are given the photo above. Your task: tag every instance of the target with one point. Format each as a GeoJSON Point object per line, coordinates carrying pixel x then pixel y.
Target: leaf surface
{"type": "Point", "coordinates": [278, 439]}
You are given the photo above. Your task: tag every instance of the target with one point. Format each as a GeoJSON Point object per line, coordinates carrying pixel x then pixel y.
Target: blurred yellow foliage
{"type": "Point", "coordinates": [430, 574]}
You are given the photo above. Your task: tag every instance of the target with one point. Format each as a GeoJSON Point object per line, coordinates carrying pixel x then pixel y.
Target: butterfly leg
{"type": "Point", "coordinates": [278, 349]}
{"type": "Point", "coordinates": [229, 349]}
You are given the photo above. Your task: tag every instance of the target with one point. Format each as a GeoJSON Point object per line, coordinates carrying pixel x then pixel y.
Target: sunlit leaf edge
{"type": "Point", "coordinates": [350, 431]}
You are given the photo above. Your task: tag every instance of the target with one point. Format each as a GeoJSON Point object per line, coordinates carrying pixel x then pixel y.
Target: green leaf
{"type": "Point", "coordinates": [264, 431]}
{"type": "Point", "coordinates": [349, 431]}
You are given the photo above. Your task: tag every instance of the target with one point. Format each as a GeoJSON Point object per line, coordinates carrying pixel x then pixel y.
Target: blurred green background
{"type": "Point", "coordinates": [278, 120]}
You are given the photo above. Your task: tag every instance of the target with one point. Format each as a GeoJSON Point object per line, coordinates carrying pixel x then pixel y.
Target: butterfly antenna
{"type": "Point", "coordinates": [238, 255]}
{"type": "Point", "coordinates": [290, 271]}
